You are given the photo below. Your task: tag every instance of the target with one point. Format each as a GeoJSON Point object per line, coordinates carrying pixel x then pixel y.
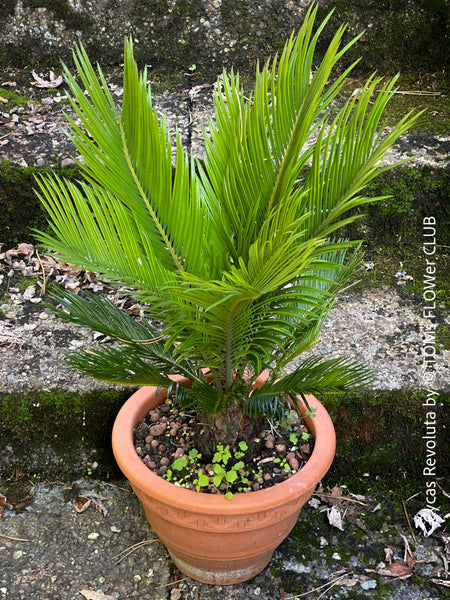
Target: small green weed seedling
{"type": "Point", "coordinates": [227, 468]}
{"type": "Point", "coordinates": [294, 439]}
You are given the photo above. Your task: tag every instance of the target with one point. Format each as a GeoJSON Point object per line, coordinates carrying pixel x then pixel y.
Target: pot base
{"type": "Point", "coordinates": [220, 572]}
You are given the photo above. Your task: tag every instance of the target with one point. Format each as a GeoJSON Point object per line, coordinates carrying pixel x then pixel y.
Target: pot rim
{"type": "Point", "coordinates": [137, 406]}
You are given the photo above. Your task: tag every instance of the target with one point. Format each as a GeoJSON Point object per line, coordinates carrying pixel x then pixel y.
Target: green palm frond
{"type": "Point", "coordinates": [346, 158]}
{"type": "Point", "coordinates": [315, 376]}
{"type": "Point", "coordinates": [101, 315]}
{"type": "Point", "coordinates": [95, 230]}
{"type": "Point", "coordinates": [238, 255]}
{"type": "Point", "coordinates": [270, 405]}
{"type": "Point", "coordinates": [128, 165]}
{"type": "Point", "coordinates": [178, 207]}
{"type": "Point", "coordinates": [120, 366]}
{"type": "Point", "coordinates": [256, 148]}
{"type": "Point", "coordinates": [325, 285]}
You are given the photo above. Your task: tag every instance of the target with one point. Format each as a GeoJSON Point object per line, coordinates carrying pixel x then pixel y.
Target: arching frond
{"type": "Point", "coordinates": [237, 255]}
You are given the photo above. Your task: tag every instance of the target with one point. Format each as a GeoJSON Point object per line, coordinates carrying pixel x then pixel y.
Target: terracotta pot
{"type": "Point", "coordinates": [210, 538]}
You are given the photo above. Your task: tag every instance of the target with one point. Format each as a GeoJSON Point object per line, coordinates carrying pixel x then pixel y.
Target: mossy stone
{"type": "Point", "coordinates": [392, 228]}
{"type": "Point", "coordinates": [380, 445]}
{"type": "Point", "coordinates": [398, 35]}
{"type": "Point", "coordinates": [68, 425]}
{"type": "Point", "coordinates": [19, 205]}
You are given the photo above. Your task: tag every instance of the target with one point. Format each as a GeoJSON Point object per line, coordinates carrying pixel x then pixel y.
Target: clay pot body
{"type": "Point", "coordinates": [209, 538]}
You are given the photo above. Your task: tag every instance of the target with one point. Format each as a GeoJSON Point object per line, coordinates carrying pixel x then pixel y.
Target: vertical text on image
{"type": "Point", "coordinates": [430, 423]}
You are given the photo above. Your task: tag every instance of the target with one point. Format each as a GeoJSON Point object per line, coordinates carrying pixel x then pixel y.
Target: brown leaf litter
{"type": "Point", "coordinates": [398, 568]}
{"type": "Point", "coordinates": [2, 504]}
{"type": "Point", "coordinates": [25, 262]}
{"type": "Point", "coordinates": [52, 82]}
{"type": "Point", "coordinates": [92, 595]}
{"type": "Point", "coordinates": [83, 502]}
{"type": "Point", "coordinates": [350, 507]}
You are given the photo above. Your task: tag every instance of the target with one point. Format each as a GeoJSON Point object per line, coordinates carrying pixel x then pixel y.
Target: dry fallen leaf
{"type": "Point", "coordinates": [2, 504]}
{"type": "Point", "coordinates": [134, 310]}
{"type": "Point", "coordinates": [445, 538]}
{"type": "Point", "coordinates": [91, 595]}
{"type": "Point", "coordinates": [26, 250]}
{"type": "Point", "coordinates": [9, 336]}
{"type": "Point", "coordinates": [314, 502]}
{"type": "Point", "coordinates": [360, 523]}
{"type": "Point", "coordinates": [51, 83]}
{"type": "Point", "coordinates": [408, 558]}
{"type": "Point", "coordinates": [4, 100]}
{"type": "Point", "coordinates": [388, 554]}
{"type": "Point", "coordinates": [337, 491]}
{"type": "Point", "coordinates": [29, 292]}
{"type": "Point", "coordinates": [348, 582]}
{"type": "Point", "coordinates": [359, 497]}
{"type": "Point", "coordinates": [83, 502]}
{"type": "Point", "coordinates": [401, 569]}
{"type": "Point", "coordinates": [335, 518]}
{"type": "Point", "coordinates": [96, 500]}
{"type": "Point", "coordinates": [49, 264]}
{"type": "Point", "coordinates": [428, 521]}
{"type": "Point", "coordinates": [353, 579]}
{"type": "Point", "coordinates": [443, 582]}
{"type": "Point", "coordinates": [396, 569]}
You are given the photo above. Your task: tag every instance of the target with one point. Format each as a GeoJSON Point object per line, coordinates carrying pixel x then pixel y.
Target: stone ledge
{"type": "Point", "coordinates": [373, 327]}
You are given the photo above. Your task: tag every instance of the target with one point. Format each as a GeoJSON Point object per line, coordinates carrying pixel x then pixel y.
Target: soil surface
{"type": "Point", "coordinates": [167, 442]}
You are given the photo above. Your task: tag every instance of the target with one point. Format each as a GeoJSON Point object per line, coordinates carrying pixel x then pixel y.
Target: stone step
{"type": "Point", "coordinates": [377, 327]}
{"type": "Point", "coordinates": [32, 134]}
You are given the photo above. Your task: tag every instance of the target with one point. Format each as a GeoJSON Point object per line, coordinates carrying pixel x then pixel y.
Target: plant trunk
{"type": "Point", "coordinates": [226, 428]}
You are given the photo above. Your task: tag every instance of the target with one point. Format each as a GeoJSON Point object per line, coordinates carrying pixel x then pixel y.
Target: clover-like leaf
{"type": "Point", "coordinates": [179, 463]}
{"type": "Point", "coordinates": [231, 476]}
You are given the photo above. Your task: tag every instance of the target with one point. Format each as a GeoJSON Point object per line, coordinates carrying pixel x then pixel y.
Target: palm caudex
{"type": "Point", "coordinates": [237, 254]}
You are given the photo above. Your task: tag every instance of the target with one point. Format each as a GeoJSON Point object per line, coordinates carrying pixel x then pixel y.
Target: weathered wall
{"type": "Point", "coordinates": [174, 35]}
{"type": "Point", "coordinates": [170, 35]}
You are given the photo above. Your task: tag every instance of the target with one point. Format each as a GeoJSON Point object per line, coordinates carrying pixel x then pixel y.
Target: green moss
{"type": "Point", "coordinates": [60, 404]}
{"type": "Point", "coordinates": [78, 423]}
{"type": "Point", "coordinates": [17, 409]}
{"type": "Point", "coordinates": [380, 446]}
{"type": "Point", "coordinates": [443, 337]}
{"type": "Point", "coordinates": [13, 98]}
{"type": "Point", "coordinates": [415, 193]}
{"type": "Point", "coordinates": [19, 206]}
{"type": "Point", "coordinates": [418, 96]}
{"type": "Point", "coordinates": [24, 284]}
{"type": "Point", "coordinates": [428, 92]}
{"type": "Point", "coordinates": [399, 35]}
{"type": "Point", "coordinates": [392, 228]}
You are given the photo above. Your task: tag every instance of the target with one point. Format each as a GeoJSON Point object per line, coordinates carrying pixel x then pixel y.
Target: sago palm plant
{"type": "Point", "coordinates": [237, 254]}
